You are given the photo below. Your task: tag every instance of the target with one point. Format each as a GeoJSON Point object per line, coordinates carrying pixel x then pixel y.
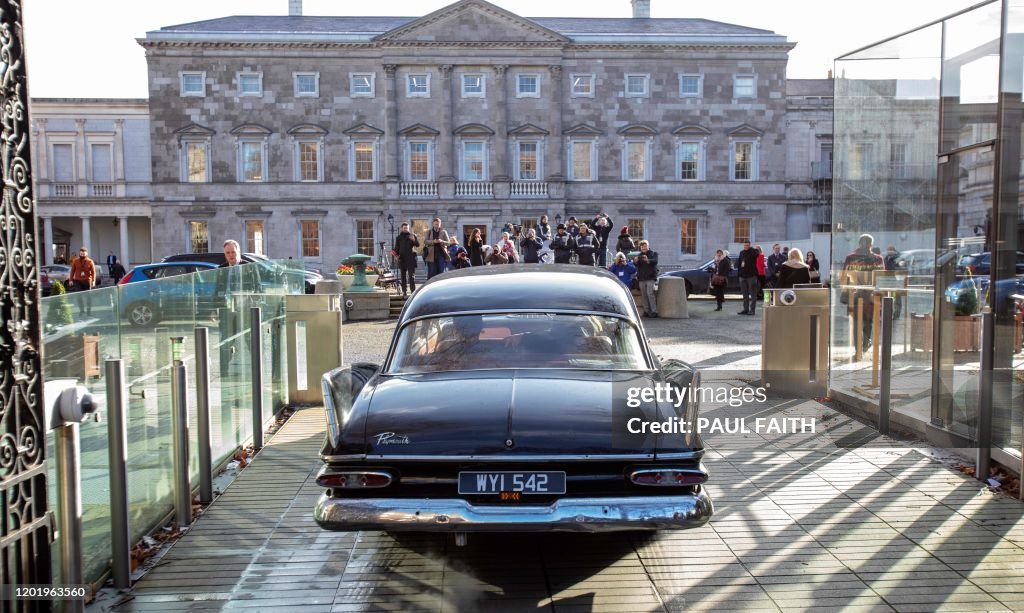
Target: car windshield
{"type": "Point", "coordinates": [517, 340]}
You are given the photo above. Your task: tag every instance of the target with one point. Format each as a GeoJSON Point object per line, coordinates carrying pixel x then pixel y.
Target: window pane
{"type": "Point", "coordinates": [741, 230]}
{"type": "Point", "coordinates": [419, 161]}
{"type": "Point", "coordinates": [361, 84]}
{"type": "Point", "coordinates": [898, 160]}
{"type": "Point", "coordinates": [636, 229]}
{"type": "Point", "coordinates": [582, 84]}
{"type": "Point", "coordinates": [192, 83]}
{"type": "Point", "coordinates": [199, 233]}
{"type": "Point", "coordinates": [527, 84]}
{"type": "Point", "coordinates": [309, 161]}
{"type": "Point", "coordinates": [636, 84]}
{"type": "Point", "coordinates": [310, 238]}
{"type": "Point", "coordinates": [636, 153]}
{"type": "Point", "coordinates": [688, 236]}
{"type": "Point", "coordinates": [581, 161]}
{"type": "Point", "coordinates": [252, 161]}
{"type": "Point", "coordinates": [418, 84]}
{"type": "Point", "coordinates": [527, 161]}
{"type": "Point", "coordinates": [254, 237]}
{"type": "Point", "coordinates": [689, 85]}
{"type": "Point", "coordinates": [743, 86]}
{"type": "Point", "coordinates": [196, 162]}
{"type": "Point", "coordinates": [305, 84]}
{"type": "Point", "coordinates": [63, 168]}
{"type": "Point", "coordinates": [473, 161]}
{"type": "Point", "coordinates": [689, 161]}
{"type": "Point", "coordinates": [472, 84]}
{"type": "Point", "coordinates": [744, 154]}
{"type": "Point", "coordinates": [101, 163]}
{"type": "Point", "coordinates": [364, 161]}
{"type": "Point", "coordinates": [364, 236]}
{"type": "Point", "coordinates": [249, 84]}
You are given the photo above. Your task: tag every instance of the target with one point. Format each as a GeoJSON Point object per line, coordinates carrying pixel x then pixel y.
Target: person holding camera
{"type": "Point", "coordinates": [602, 228]}
{"type": "Point", "coordinates": [587, 245]}
{"type": "Point", "coordinates": [647, 277]}
{"type": "Point", "coordinates": [531, 246]}
{"type": "Point", "coordinates": [404, 249]}
{"type": "Point", "coordinates": [435, 249]}
{"type": "Point", "coordinates": [475, 247]}
{"type": "Point", "coordinates": [563, 245]}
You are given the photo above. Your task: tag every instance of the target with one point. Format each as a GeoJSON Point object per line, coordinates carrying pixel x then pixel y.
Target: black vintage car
{"type": "Point", "coordinates": [698, 279]}
{"type": "Point", "coordinates": [501, 407]}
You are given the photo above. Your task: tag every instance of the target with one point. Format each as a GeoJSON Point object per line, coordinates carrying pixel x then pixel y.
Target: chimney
{"type": "Point", "coordinates": [641, 9]}
{"type": "Point", "coordinates": [295, 8]}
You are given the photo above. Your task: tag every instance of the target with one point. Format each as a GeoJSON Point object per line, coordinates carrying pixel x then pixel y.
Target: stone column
{"type": "Point", "coordinates": [47, 240]}
{"type": "Point", "coordinates": [500, 172]}
{"type": "Point", "coordinates": [82, 163]}
{"type": "Point", "coordinates": [41, 155]}
{"type": "Point", "coordinates": [118, 152]}
{"type": "Point", "coordinates": [390, 123]}
{"type": "Point", "coordinates": [122, 225]}
{"type": "Point", "coordinates": [446, 142]}
{"type": "Point", "coordinates": [86, 238]}
{"type": "Point", "coordinates": [553, 159]}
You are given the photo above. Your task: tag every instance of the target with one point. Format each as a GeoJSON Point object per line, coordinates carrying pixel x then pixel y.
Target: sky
{"type": "Point", "coordinates": [87, 49]}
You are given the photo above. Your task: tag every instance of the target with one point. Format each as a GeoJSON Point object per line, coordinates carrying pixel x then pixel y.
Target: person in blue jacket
{"type": "Point", "coordinates": [623, 269]}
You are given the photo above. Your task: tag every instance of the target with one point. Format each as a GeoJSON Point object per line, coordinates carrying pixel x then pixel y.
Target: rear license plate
{"type": "Point", "coordinates": [552, 482]}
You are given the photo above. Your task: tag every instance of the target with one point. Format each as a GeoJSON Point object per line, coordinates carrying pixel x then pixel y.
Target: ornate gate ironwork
{"type": "Point", "coordinates": [25, 531]}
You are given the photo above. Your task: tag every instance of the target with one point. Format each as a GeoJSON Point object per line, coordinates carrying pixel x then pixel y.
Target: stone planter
{"type": "Point", "coordinates": [346, 280]}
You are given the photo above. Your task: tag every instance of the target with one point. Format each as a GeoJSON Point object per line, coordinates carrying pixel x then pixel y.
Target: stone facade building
{"type": "Point", "coordinates": [302, 136]}
{"type": "Point", "coordinates": [91, 168]}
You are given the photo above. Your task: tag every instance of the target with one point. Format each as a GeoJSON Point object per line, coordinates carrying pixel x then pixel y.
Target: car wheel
{"type": "Point", "coordinates": [142, 314]}
{"type": "Point", "coordinates": [689, 288]}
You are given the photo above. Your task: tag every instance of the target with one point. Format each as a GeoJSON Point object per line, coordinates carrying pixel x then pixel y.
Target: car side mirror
{"type": "Point", "coordinates": [709, 269]}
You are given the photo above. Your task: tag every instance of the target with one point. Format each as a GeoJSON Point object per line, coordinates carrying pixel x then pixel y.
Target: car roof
{"type": "Point", "coordinates": [177, 263]}
{"type": "Point", "coordinates": [522, 287]}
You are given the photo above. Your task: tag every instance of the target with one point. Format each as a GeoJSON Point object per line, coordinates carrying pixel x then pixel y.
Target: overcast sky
{"type": "Point", "coordinates": [87, 49]}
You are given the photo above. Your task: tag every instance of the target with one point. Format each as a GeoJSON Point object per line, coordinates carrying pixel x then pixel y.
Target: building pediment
{"type": "Point", "coordinates": [582, 129]}
{"type": "Point", "coordinates": [691, 130]}
{"type": "Point", "coordinates": [307, 129]}
{"type": "Point", "coordinates": [473, 129]}
{"type": "Point", "coordinates": [363, 129]}
{"type": "Point", "coordinates": [471, 21]}
{"type": "Point", "coordinates": [528, 129]}
{"type": "Point", "coordinates": [637, 129]}
{"type": "Point", "coordinates": [251, 129]}
{"type": "Point", "coordinates": [194, 130]}
{"type": "Point", "coordinates": [746, 130]}
{"type": "Point", "coordinates": [418, 129]}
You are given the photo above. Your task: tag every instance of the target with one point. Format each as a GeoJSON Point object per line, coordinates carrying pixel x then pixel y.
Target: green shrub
{"type": "Point", "coordinates": [59, 313]}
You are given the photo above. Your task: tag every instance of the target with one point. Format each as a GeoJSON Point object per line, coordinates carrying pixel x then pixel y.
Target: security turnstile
{"type": "Point", "coordinates": [794, 342]}
{"type": "Point", "coordinates": [314, 344]}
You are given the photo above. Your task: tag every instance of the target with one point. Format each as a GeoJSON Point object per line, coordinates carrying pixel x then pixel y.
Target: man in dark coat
{"type": "Point", "coordinates": [858, 270]}
{"type": "Point", "coordinates": [746, 266]}
{"type": "Point", "coordinates": [435, 250]}
{"type": "Point", "coordinates": [647, 277]}
{"type": "Point", "coordinates": [772, 264]}
{"type": "Point", "coordinates": [530, 247]}
{"type": "Point", "coordinates": [406, 244]}
{"type": "Point", "coordinates": [587, 246]}
{"type": "Point", "coordinates": [117, 271]}
{"type": "Point", "coordinates": [563, 245]}
{"type": "Point", "coordinates": [602, 228]}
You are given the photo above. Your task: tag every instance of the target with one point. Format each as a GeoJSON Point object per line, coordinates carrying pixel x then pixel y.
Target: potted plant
{"type": "Point", "coordinates": [966, 327]}
{"type": "Point", "coordinates": [58, 311]}
{"type": "Point", "coordinates": [346, 274]}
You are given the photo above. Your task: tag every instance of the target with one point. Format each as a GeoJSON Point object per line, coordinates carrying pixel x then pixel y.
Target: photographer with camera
{"type": "Point", "coordinates": [647, 276]}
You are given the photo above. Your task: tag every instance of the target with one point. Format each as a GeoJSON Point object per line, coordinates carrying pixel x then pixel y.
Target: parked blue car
{"type": "Point", "coordinates": [1005, 288]}
{"type": "Point", "coordinates": [146, 304]}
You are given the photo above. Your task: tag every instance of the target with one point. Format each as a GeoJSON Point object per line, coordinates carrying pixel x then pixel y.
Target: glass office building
{"type": "Point", "coordinates": [928, 168]}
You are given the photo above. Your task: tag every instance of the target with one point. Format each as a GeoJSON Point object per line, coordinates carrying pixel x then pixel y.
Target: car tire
{"type": "Point", "coordinates": [689, 288]}
{"type": "Point", "coordinates": [142, 314]}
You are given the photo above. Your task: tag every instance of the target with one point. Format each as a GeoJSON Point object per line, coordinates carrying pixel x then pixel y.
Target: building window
{"type": "Point", "coordinates": [63, 162]}
{"type": "Point", "coordinates": [307, 84]}
{"type": "Point", "coordinates": [307, 154]}
{"type": "Point", "coordinates": [252, 161]}
{"type": "Point", "coordinates": [742, 230]}
{"type": "Point", "coordinates": [636, 229]}
{"type": "Point", "coordinates": [193, 83]}
{"type": "Point", "coordinates": [863, 161]}
{"type": "Point", "coordinates": [527, 160]}
{"type": "Point", "coordinates": [637, 163]}
{"type": "Point", "coordinates": [419, 162]}
{"type": "Point", "coordinates": [250, 83]}
{"type": "Point", "coordinates": [364, 236]}
{"type": "Point", "coordinates": [744, 161]}
{"type": "Point", "coordinates": [690, 161]}
{"type": "Point", "coordinates": [473, 86]}
{"type": "Point", "coordinates": [582, 85]}
{"type": "Point", "coordinates": [688, 236]}
{"type": "Point", "coordinates": [310, 238]}
{"type": "Point", "coordinates": [196, 163]}
{"type": "Point", "coordinates": [199, 236]}
{"type": "Point", "coordinates": [417, 85]}
{"type": "Point", "coordinates": [583, 162]}
{"type": "Point", "coordinates": [361, 84]}
{"type": "Point", "coordinates": [638, 85]}
{"type": "Point", "coordinates": [419, 227]}
{"type": "Point", "coordinates": [474, 167]}
{"type": "Point", "coordinates": [254, 237]}
{"type": "Point", "coordinates": [100, 161]}
{"type": "Point", "coordinates": [528, 86]}
{"type": "Point", "coordinates": [898, 160]}
{"type": "Point", "coordinates": [526, 224]}
{"type": "Point", "coordinates": [691, 86]}
{"type": "Point", "coordinates": [364, 161]}
{"type": "Point", "coordinates": [743, 86]}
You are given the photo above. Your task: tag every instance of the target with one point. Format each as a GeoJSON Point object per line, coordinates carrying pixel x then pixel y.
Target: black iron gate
{"type": "Point", "coordinates": [25, 532]}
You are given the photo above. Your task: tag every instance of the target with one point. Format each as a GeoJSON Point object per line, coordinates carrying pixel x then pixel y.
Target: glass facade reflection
{"type": "Point", "coordinates": [927, 209]}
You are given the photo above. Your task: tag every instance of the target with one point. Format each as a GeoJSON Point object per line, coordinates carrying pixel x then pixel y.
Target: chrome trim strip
{"type": "Point", "coordinates": [504, 459]}
{"type": "Point", "coordinates": [565, 514]}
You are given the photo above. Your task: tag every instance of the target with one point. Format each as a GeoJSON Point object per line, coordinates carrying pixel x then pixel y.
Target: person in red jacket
{"type": "Point", "coordinates": [760, 272]}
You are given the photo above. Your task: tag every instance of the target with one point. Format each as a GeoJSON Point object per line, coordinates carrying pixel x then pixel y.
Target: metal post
{"type": "Point", "coordinates": [876, 316]}
{"type": "Point", "coordinates": [858, 328]}
{"type": "Point", "coordinates": [256, 356]}
{"type": "Point", "coordinates": [988, 330]}
{"type": "Point", "coordinates": [69, 510]}
{"type": "Point", "coordinates": [117, 446]}
{"type": "Point", "coordinates": [203, 415]}
{"type": "Point", "coordinates": [179, 420]}
{"type": "Point", "coordinates": [885, 349]}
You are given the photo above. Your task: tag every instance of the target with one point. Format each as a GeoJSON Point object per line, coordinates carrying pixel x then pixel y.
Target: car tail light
{"type": "Point", "coordinates": [124, 279]}
{"type": "Point", "coordinates": [44, 278]}
{"type": "Point", "coordinates": [669, 477]}
{"type": "Point", "coordinates": [367, 479]}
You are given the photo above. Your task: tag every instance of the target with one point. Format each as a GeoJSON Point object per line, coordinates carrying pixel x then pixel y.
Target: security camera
{"type": "Point", "coordinates": [788, 297]}
{"type": "Point", "coordinates": [350, 303]}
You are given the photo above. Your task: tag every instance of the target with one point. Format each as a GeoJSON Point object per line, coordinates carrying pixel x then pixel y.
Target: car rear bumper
{"type": "Point", "coordinates": [564, 515]}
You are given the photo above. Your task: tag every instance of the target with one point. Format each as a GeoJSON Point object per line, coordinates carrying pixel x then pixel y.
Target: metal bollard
{"type": "Point", "coordinates": [69, 483]}
{"type": "Point", "coordinates": [117, 435]}
{"type": "Point", "coordinates": [256, 356]}
{"type": "Point", "coordinates": [179, 422]}
{"type": "Point", "coordinates": [858, 329]}
{"type": "Point", "coordinates": [984, 459]}
{"type": "Point", "coordinates": [203, 415]}
{"type": "Point", "coordinates": [885, 359]}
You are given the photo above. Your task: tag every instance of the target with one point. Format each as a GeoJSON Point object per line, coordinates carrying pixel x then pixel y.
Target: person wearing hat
{"type": "Point", "coordinates": [625, 243]}
{"type": "Point", "coordinates": [572, 227]}
{"type": "Point", "coordinates": [563, 244]}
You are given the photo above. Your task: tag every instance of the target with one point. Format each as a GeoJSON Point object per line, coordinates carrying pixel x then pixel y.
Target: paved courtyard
{"type": "Point", "coordinates": [838, 520]}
